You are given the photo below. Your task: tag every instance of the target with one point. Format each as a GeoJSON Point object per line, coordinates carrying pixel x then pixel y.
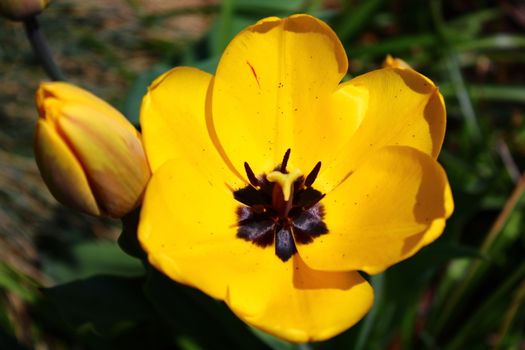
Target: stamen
{"type": "Point", "coordinates": [285, 161]}
{"type": "Point", "coordinates": [280, 208]}
{"type": "Point", "coordinates": [314, 203]}
{"type": "Point", "coordinates": [284, 244]}
{"type": "Point", "coordinates": [313, 175]}
{"type": "Point", "coordinates": [285, 181]}
{"type": "Point", "coordinates": [251, 176]}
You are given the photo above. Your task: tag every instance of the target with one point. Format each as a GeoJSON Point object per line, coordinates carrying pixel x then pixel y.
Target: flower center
{"type": "Point", "coordinates": [280, 207]}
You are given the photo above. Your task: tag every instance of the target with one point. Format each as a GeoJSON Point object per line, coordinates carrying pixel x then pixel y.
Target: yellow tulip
{"type": "Point", "coordinates": [19, 10]}
{"type": "Point", "coordinates": [89, 155]}
{"type": "Point", "coordinates": [275, 185]}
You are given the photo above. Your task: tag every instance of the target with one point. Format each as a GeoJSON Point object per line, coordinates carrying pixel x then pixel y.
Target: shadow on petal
{"type": "Point", "coordinates": [434, 113]}
{"type": "Point", "coordinates": [416, 81]}
{"type": "Point", "coordinates": [433, 193]}
{"type": "Point", "coordinates": [412, 242]}
{"type": "Point", "coordinates": [305, 277]}
{"type": "Point", "coordinates": [266, 26]}
{"type": "Point", "coordinates": [433, 205]}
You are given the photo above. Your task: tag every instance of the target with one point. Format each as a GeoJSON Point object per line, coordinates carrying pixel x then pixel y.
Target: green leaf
{"type": "Point", "coordinates": [131, 108]}
{"type": "Point", "coordinates": [394, 46]}
{"type": "Point", "coordinates": [368, 323]}
{"type": "Point", "coordinates": [404, 284]}
{"type": "Point", "coordinates": [273, 342]}
{"type": "Point", "coordinates": [17, 283]}
{"type": "Point", "coordinates": [270, 7]}
{"type": "Point", "coordinates": [195, 318]}
{"type": "Point", "coordinates": [355, 18]}
{"type": "Point", "coordinates": [416, 271]}
{"type": "Point", "coordinates": [470, 328]}
{"type": "Point", "coordinates": [495, 42]}
{"type": "Point", "coordinates": [91, 258]}
{"type": "Point", "coordinates": [471, 24]}
{"type": "Point", "coordinates": [222, 33]}
{"type": "Point", "coordinates": [128, 239]}
{"type": "Point", "coordinates": [103, 304]}
{"type": "Point", "coordinates": [209, 65]}
{"type": "Point", "coordinates": [225, 25]}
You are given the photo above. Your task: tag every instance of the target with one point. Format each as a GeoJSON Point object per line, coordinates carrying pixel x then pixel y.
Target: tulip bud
{"type": "Point", "coordinates": [89, 155]}
{"type": "Point", "coordinates": [18, 10]}
{"type": "Point", "coordinates": [394, 62]}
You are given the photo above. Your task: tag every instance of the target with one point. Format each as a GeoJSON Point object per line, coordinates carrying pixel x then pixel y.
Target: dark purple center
{"type": "Point", "coordinates": [266, 217]}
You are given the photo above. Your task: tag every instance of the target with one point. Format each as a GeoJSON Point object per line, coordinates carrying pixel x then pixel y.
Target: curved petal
{"type": "Point", "coordinates": [52, 96]}
{"type": "Point", "coordinates": [392, 205]}
{"type": "Point", "coordinates": [402, 108]}
{"type": "Point", "coordinates": [173, 121]}
{"type": "Point", "coordinates": [300, 304]}
{"type": "Point", "coordinates": [187, 228]}
{"type": "Point", "coordinates": [112, 157]}
{"type": "Point", "coordinates": [62, 171]}
{"type": "Point", "coordinates": [395, 62]}
{"type": "Point", "coordinates": [273, 90]}
{"type": "Point", "coordinates": [187, 213]}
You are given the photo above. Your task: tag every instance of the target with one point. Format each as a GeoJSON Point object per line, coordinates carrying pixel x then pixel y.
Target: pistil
{"type": "Point", "coordinates": [285, 181]}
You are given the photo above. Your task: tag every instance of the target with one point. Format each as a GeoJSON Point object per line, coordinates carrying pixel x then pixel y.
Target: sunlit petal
{"type": "Point", "coordinates": [403, 108]}
{"type": "Point", "coordinates": [174, 124]}
{"type": "Point", "coordinates": [188, 229]}
{"type": "Point", "coordinates": [391, 206]}
{"type": "Point", "coordinates": [273, 91]}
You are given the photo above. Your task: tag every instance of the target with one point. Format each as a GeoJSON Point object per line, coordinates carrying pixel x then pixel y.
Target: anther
{"type": "Point", "coordinates": [313, 175]}
{"type": "Point", "coordinates": [251, 176]}
{"type": "Point", "coordinates": [285, 161]}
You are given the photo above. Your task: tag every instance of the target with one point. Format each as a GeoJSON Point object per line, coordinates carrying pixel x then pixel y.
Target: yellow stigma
{"type": "Point", "coordinates": [284, 180]}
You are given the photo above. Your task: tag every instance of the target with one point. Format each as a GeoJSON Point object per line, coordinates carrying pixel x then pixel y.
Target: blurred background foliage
{"type": "Point", "coordinates": [64, 281]}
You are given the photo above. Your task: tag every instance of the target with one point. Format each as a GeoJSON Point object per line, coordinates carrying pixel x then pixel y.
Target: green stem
{"type": "Point", "coordinates": [472, 271]}
{"type": "Point", "coordinates": [510, 315]}
{"type": "Point", "coordinates": [41, 49]}
{"type": "Point", "coordinates": [226, 25]}
{"type": "Point", "coordinates": [378, 282]}
{"type": "Point", "coordinates": [456, 77]}
{"type": "Point", "coordinates": [470, 326]}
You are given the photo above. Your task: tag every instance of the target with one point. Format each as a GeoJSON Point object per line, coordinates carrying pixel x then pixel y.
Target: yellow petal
{"type": "Point", "coordinates": [112, 157]}
{"type": "Point", "coordinates": [61, 171]}
{"type": "Point", "coordinates": [189, 211]}
{"type": "Point", "coordinates": [402, 108]}
{"type": "Point", "coordinates": [174, 124]}
{"type": "Point", "coordinates": [392, 205]}
{"type": "Point", "coordinates": [187, 229]}
{"type": "Point", "coordinates": [273, 90]}
{"type": "Point", "coordinates": [299, 304]}
{"type": "Point", "coordinates": [395, 62]}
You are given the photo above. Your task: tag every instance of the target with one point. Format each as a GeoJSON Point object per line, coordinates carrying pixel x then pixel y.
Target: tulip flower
{"type": "Point", "coordinates": [275, 186]}
{"type": "Point", "coordinates": [89, 155]}
{"type": "Point", "coordinates": [18, 10]}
